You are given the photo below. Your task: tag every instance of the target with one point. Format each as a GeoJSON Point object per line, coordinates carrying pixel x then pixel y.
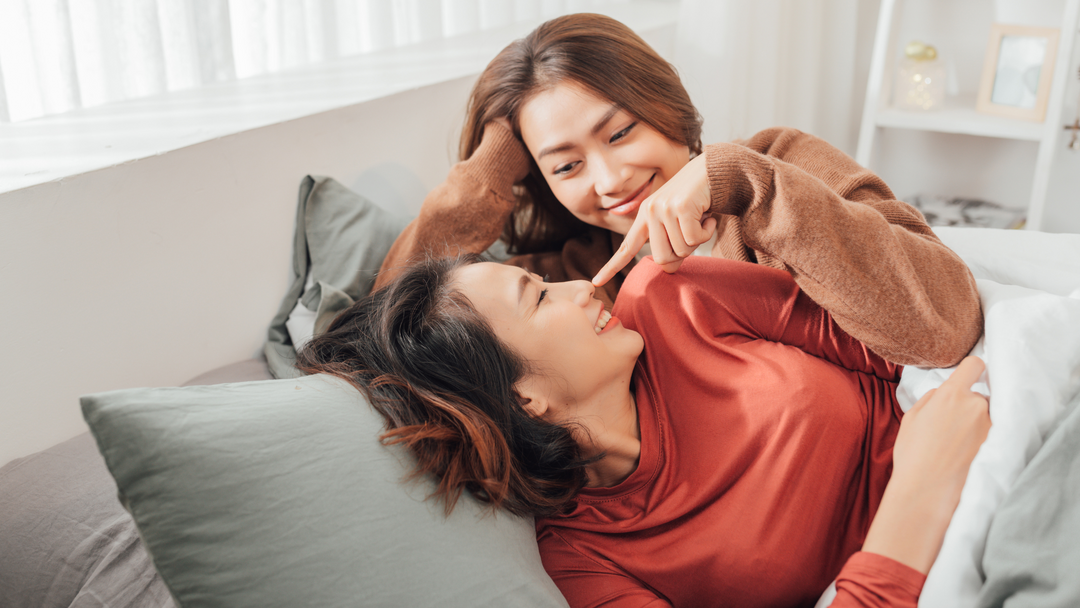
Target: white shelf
{"type": "Point", "coordinates": [900, 21]}
{"type": "Point", "coordinates": [959, 116]}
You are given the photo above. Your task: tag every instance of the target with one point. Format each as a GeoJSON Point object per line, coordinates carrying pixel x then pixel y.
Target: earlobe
{"type": "Point", "coordinates": [531, 400]}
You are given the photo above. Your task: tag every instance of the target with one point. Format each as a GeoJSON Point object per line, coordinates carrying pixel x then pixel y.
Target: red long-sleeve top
{"type": "Point", "coordinates": [766, 445]}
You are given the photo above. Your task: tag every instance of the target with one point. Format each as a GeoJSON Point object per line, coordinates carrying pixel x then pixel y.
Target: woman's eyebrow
{"type": "Point", "coordinates": [554, 149]}
{"type": "Point", "coordinates": [522, 284]}
{"type": "Point", "coordinates": [612, 111]}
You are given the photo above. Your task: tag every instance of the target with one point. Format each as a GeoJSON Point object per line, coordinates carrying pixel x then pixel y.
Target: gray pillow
{"type": "Point", "coordinates": [279, 493]}
{"type": "Point", "coordinates": [340, 241]}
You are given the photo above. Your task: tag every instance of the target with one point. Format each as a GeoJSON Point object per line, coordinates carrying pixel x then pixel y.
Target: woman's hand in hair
{"type": "Point", "coordinates": [938, 439]}
{"type": "Point", "coordinates": [675, 219]}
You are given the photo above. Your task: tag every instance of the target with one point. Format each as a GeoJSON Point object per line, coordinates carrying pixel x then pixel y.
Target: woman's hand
{"type": "Point", "coordinates": [941, 434]}
{"type": "Point", "coordinates": [675, 219]}
{"type": "Point", "coordinates": [938, 439]}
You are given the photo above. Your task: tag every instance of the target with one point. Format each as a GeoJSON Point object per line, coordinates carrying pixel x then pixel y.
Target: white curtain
{"type": "Point", "coordinates": [753, 64]}
{"type": "Point", "coordinates": [60, 55]}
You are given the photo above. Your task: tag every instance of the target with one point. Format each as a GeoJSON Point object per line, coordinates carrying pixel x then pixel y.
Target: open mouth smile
{"type": "Point", "coordinates": [602, 321]}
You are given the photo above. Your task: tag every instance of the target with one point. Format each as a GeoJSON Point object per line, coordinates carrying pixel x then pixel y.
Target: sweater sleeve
{"type": "Point", "coordinates": [466, 213]}
{"type": "Point", "coordinates": [869, 580]}
{"type": "Point", "coordinates": [802, 206]}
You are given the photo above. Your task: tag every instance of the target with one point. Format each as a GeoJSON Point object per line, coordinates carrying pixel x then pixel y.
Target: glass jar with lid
{"type": "Point", "coordinates": [920, 79]}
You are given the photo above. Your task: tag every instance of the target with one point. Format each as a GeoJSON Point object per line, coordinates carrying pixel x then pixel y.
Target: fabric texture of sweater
{"type": "Point", "coordinates": [766, 445]}
{"type": "Point", "coordinates": [784, 199]}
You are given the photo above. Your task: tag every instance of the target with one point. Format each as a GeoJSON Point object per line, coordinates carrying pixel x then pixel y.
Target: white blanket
{"type": "Point", "coordinates": [1029, 283]}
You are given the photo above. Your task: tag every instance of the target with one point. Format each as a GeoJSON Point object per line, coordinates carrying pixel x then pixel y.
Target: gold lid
{"type": "Point", "coordinates": [920, 52]}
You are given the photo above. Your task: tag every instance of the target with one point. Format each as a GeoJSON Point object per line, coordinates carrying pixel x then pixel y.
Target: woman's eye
{"type": "Point", "coordinates": [623, 133]}
{"type": "Point", "coordinates": [564, 169]}
{"type": "Point", "coordinates": [543, 294]}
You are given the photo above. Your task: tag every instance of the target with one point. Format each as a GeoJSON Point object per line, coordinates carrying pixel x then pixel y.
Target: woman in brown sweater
{"type": "Point", "coordinates": [580, 127]}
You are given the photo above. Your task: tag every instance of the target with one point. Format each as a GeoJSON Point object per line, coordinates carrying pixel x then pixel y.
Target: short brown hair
{"type": "Point", "coordinates": [605, 57]}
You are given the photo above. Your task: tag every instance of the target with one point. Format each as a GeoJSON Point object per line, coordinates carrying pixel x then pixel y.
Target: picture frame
{"type": "Point", "coordinates": [1018, 71]}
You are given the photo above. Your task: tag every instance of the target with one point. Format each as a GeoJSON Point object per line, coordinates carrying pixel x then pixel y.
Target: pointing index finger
{"type": "Point", "coordinates": [635, 238]}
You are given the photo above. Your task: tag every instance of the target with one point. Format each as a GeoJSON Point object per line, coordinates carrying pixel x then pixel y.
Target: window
{"type": "Point", "coordinates": [61, 55]}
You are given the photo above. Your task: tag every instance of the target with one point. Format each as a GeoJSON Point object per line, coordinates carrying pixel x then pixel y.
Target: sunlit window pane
{"type": "Point", "coordinates": [59, 55]}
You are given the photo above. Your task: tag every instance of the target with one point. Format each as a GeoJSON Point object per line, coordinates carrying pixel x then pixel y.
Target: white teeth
{"type": "Point", "coordinates": [602, 321]}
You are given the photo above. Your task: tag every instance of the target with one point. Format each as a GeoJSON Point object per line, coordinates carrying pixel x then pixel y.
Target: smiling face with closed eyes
{"type": "Point", "coordinates": [599, 161]}
{"type": "Point", "coordinates": [578, 353]}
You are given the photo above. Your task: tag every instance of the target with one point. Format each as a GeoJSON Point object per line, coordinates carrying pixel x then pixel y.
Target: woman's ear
{"type": "Point", "coordinates": [531, 398]}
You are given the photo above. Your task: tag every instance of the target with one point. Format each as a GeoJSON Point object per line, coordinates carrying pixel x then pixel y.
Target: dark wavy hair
{"type": "Point", "coordinates": [605, 57]}
{"type": "Point", "coordinates": [444, 382]}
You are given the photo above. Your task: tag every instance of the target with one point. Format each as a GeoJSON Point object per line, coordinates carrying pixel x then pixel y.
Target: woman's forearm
{"type": "Point", "coordinates": [465, 213]}
{"type": "Point", "coordinates": [910, 523]}
{"type": "Point", "coordinates": [938, 439]}
{"type": "Point", "coordinates": [870, 260]}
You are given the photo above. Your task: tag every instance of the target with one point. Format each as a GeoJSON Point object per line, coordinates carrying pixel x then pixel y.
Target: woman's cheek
{"type": "Point", "coordinates": [569, 197]}
{"type": "Point", "coordinates": [558, 188]}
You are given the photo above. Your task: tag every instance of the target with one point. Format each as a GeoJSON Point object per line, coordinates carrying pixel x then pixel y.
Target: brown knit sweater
{"type": "Point", "coordinates": [784, 199]}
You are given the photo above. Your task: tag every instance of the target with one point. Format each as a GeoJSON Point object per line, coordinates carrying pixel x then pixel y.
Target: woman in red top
{"type": "Point", "coordinates": [715, 439]}
{"type": "Point", "coordinates": [725, 435]}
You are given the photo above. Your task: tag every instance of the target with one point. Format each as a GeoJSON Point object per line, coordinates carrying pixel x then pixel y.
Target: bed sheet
{"type": "Point", "coordinates": [1029, 284]}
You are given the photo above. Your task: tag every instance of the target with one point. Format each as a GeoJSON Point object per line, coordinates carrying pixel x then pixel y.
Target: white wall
{"type": "Point", "coordinates": [151, 272]}
{"type": "Point", "coordinates": [750, 65]}
{"type": "Point", "coordinates": [924, 162]}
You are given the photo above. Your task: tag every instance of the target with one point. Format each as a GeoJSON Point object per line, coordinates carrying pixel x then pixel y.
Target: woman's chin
{"type": "Point", "coordinates": [609, 221]}
{"type": "Point", "coordinates": [618, 223]}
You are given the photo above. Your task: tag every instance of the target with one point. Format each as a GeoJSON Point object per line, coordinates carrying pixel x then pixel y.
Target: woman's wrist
{"type": "Point", "coordinates": [502, 149]}
{"type": "Point", "coordinates": [910, 523]}
{"type": "Point", "coordinates": [501, 160]}
{"type": "Point", "coordinates": [729, 168]}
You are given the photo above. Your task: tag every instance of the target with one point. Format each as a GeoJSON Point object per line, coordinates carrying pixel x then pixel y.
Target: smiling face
{"type": "Point", "coordinates": [579, 354]}
{"type": "Point", "coordinates": [600, 161]}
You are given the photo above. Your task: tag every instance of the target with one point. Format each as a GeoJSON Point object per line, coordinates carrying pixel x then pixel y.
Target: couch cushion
{"type": "Point", "coordinates": [248, 370]}
{"type": "Point", "coordinates": [65, 540]}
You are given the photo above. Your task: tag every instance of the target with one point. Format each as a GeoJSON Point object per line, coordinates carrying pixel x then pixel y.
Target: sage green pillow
{"type": "Point", "coordinates": [279, 493]}
{"type": "Point", "coordinates": [339, 244]}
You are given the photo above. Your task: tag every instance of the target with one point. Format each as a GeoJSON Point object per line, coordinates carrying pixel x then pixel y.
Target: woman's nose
{"type": "Point", "coordinates": [583, 292]}
{"type": "Point", "coordinates": [610, 176]}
